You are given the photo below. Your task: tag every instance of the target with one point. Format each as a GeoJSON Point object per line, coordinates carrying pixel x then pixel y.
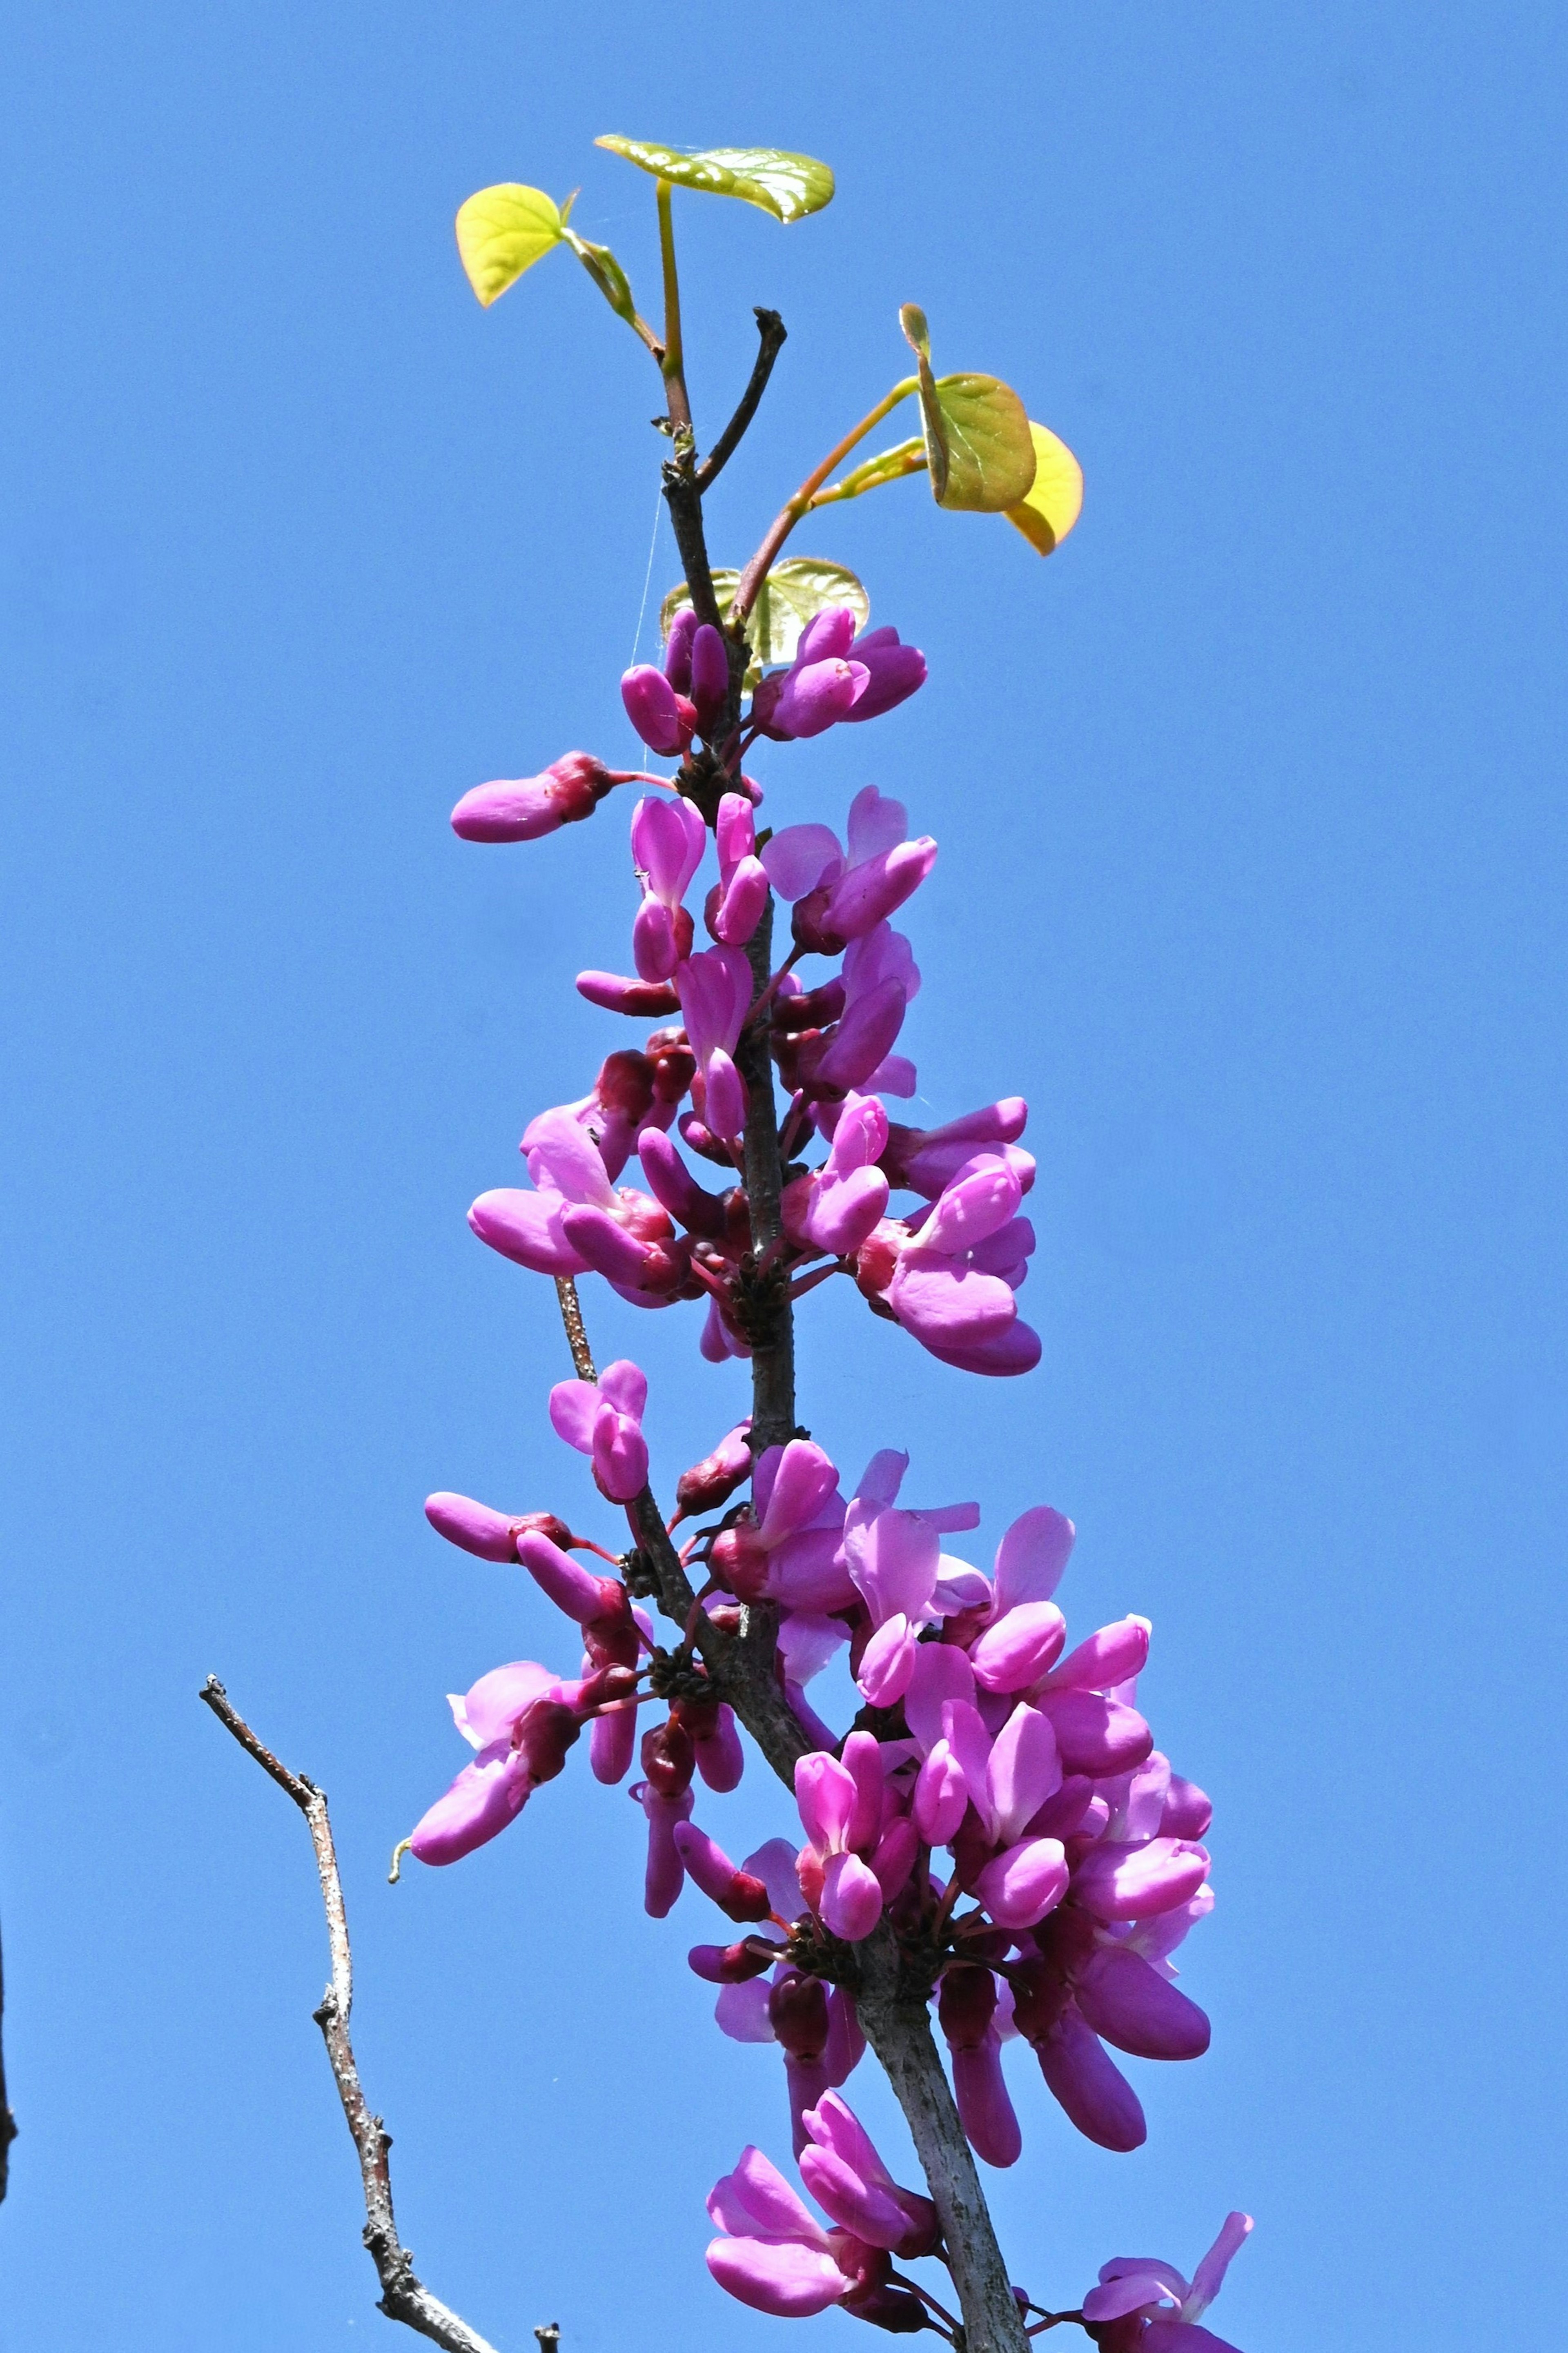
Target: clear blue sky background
{"type": "Point", "coordinates": [1252, 877]}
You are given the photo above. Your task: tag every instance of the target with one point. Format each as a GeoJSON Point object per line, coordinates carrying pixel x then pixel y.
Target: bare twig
{"type": "Point", "coordinates": [577, 1334]}
{"type": "Point", "coordinates": [772, 331]}
{"type": "Point", "coordinates": [7, 2121]}
{"type": "Point", "coordinates": [403, 2297]}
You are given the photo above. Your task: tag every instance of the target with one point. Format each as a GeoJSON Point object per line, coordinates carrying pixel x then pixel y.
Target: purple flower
{"type": "Point", "coordinates": [715, 996]}
{"type": "Point", "coordinates": [665, 720]}
{"type": "Point", "coordinates": [527, 808]}
{"type": "Point", "coordinates": [490, 1534]}
{"type": "Point", "coordinates": [521, 1720]}
{"type": "Point", "coordinates": [576, 1220]}
{"type": "Point", "coordinates": [950, 1281]}
{"type": "Point", "coordinates": [836, 675]}
{"type": "Point", "coordinates": [1144, 2305]}
{"type": "Point", "coordinates": [668, 837]}
{"type": "Point", "coordinates": [835, 1208]}
{"type": "Point", "coordinates": [840, 2168]}
{"type": "Point", "coordinates": [787, 1550]}
{"type": "Point", "coordinates": [841, 1810]}
{"type": "Point", "coordinates": [734, 907]}
{"type": "Point", "coordinates": [776, 2258]}
{"type": "Point", "coordinates": [714, 1479]}
{"type": "Point", "coordinates": [895, 672]}
{"type": "Point", "coordinates": [925, 1160]}
{"type": "Point", "coordinates": [841, 895]}
{"type": "Point", "coordinates": [605, 1422]}
{"type": "Point", "coordinates": [774, 2255]}
{"type": "Point", "coordinates": [709, 686]}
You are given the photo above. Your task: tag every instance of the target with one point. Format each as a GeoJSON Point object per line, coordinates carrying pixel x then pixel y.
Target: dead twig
{"type": "Point", "coordinates": [403, 2297]}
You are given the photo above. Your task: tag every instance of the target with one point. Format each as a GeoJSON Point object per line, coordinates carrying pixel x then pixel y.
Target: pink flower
{"type": "Point", "coordinates": [843, 895]}
{"type": "Point", "coordinates": [522, 1720]}
{"type": "Point", "coordinates": [668, 838]}
{"type": "Point", "coordinates": [821, 686]}
{"type": "Point", "coordinates": [771, 1556]}
{"type": "Point", "coordinates": [950, 1281]}
{"type": "Point", "coordinates": [842, 1809]}
{"type": "Point", "coordinates": [665, 720]}
{"type": "Point", "coordinates": [715, 996]}
{"type": "Point", "coordinates": [526, 808]}
{"type": "Point", "coordinates": [1144, 2305]}
{"type": "Point", "coordinates": [734, 906]}
{"type": "Point", "coordinates": [776, 2256]}
{"type": "Point", "coordinates": [925, 1160]}
{"type": "Point", "coordinates": [605, 1422]}
{"type": "Point", "coordinates": [896, 670]}
{"type": "Point", "coordinates": [835, 1208]}
{"type": "Point", "coordinates": [576, 1220]}
{"type": "Point", "coordinates": [862, 1015]}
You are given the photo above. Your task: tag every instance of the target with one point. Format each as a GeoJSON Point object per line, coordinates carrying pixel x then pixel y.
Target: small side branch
{"type": "Point", "coordinates": [7, 2121]}
{"type": "Point", "coordinates": [577, 1331]}
{"type": "Point", "coordinates": [772, 330]}
{"type": "Point", "coordinates": [403, 2297]}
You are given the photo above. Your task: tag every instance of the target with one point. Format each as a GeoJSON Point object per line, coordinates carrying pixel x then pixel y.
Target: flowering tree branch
{"type": "Point", "coordinates": [995, 1839]}
{"type": "Point", "coordinates": [403, 2296]}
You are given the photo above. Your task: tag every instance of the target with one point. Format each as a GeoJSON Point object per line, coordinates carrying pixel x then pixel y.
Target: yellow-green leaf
{"type": "Point", "coordinates": [977, 432]}
{"type": "Point", "coordinates": [1056, 496]}
{"type": "Point", "coordinates": [788, 187]}
{"type": "Point", "coordinates": [502, 232]}
{"type": "Point", "coordinates": [794, 592]}
{"type": "Point", "coordinates": [982, 428]}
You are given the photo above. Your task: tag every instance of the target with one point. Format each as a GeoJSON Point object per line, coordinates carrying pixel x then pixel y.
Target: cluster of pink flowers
{"type": "Point", "coordinates": [1001, 1801]}
{"type": "Point", "coordinates": [999, 1807]}
{"type": "Point", "coordinates": [948, 1274]}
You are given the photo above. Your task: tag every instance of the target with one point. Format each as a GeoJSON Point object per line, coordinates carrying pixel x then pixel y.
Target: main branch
{"type": "Point", "coordinates": [403, 2297]}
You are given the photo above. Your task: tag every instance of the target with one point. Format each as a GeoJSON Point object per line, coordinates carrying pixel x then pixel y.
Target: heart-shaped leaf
{"type": "Point", "coordinates": [788, 187]}
{"type": "Point", "coordinates": [502, 232]}
{"type": "Point", "coordinates": [978, 444]}
{"type": "Point", "coordinates": [981, 429]}
{"type": "Point", "coordinates": [1052, 508]}
{"type": "Point", "coordinates": [794, 592]}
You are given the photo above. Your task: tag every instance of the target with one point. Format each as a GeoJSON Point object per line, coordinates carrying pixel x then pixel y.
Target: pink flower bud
{"type": "Point", "coordinates": [655, 710]}
{"type": "Point", "coordinates": [528, 807]}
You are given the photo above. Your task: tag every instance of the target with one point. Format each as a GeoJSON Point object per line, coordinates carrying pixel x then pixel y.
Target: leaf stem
{"type": "Point", "coordinates": [789, 514]}
{"type": "Point", "coordinates": [672, 365]}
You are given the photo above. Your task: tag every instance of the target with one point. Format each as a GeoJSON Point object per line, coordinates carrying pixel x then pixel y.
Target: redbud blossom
{"type": "Point", "coordinates": [528, 807]}
{"type": "Point", "coordinates": [665, 720]}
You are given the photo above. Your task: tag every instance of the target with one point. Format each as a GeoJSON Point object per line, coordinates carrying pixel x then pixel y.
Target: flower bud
{"type": "Point", "coordinates": [714, 1479]}
{"type": "Point", "coordinates": [709, 684]}
{"type": "Point", "coordinates": [669, 1759]}
{"type": "Point", "coordinates": [965, 2004]}
{"type": "Point", "coordinates": [797, 2013]}
{"type": "Point", "coordinates": [663, 718]}
{"type": "Point", "coordinates": [678, 650]}
{"type": "Point", "coordinates": [526, 808]}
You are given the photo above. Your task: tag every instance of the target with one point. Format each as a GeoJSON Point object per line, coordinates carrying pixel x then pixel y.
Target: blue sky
{"type": "Point", "coordinates": [1252, 873]}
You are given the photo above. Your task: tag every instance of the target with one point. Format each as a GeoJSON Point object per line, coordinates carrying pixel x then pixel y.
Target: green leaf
{"type": "Point", "coordinates": [607, 274]}
{"type": "Point", "coordinates": [888, 466]}
{"type": "Point", "coordinates": [502, 232]}
{"type": "Point", "coordinates": [981, 428]}
{"type": "Point", "coordinates": [788, 187]}
{"type": "Point", "coordinates": [794, 593]}
{"type": "Point", "coordinates": [1055, 496]}
{"type": "Point", "coordinates": [978, 442]}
